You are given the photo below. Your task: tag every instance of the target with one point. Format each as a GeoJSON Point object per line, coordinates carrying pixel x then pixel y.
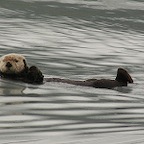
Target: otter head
{"type": "Point", "coordinates": [12, 64]}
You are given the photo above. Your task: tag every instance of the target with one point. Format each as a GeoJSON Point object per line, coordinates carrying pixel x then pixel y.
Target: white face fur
{"type": "Point", "coordinates": [12, 63]}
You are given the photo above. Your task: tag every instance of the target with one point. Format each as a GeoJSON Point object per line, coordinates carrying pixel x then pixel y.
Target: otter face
{"type": "Point", "coordinates": [12, 63]}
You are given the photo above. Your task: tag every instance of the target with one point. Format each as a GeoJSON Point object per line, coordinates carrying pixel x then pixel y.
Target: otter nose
{"type": "Point", "coordinates": [8, 65]}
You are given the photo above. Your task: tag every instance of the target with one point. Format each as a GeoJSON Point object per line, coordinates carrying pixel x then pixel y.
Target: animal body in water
{"type": "Point", "coordinates": [122, 79]}
{"type": "Point", "coordinates": [14, 66]}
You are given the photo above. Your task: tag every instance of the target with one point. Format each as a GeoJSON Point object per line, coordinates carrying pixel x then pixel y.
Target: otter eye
{"type": "Point", "coordinates": [16, 60]}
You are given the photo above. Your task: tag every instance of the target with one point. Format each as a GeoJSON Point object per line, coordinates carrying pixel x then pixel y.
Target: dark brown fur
{"type": "Point", "coordinates": [122, 79]}
{"type": "Point", "coordinates": [34, 76]}
{"type": "Point", "coordinates": [29, 75]}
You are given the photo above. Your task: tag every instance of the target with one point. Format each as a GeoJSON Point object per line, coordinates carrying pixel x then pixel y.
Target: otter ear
{"type": "Point", "coordinates": [24, 61]}
{"type": "Point", "coordinates": [25, 64]}
{"type": "Point", "coordinates": [0, 60]}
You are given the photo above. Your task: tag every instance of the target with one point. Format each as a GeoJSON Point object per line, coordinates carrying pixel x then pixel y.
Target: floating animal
{"type": "Point", "coordinates": [14, 66]}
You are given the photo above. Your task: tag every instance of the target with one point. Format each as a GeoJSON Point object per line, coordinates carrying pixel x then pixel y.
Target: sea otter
{"type": "Point", "coordinates": [14, 66]}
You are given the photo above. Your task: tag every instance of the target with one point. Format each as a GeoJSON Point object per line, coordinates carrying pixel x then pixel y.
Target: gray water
{"type": "Point", "coordinates": [75, 39]}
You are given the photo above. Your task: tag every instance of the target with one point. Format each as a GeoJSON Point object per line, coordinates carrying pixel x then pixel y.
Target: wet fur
{"type": "Point", "coordinates": [34, 76]}
{"type": "Point", "coordinates": [122, 79]}
{"type": "Point", "coordinates": [13, 66]}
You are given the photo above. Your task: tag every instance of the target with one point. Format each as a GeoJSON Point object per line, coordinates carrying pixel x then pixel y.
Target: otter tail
{"type": "Point", "coordinates": [123, 76]}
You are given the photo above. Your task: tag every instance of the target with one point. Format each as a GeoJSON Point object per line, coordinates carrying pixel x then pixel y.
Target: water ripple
{"type": "Point", "coordinates": [76, 40]}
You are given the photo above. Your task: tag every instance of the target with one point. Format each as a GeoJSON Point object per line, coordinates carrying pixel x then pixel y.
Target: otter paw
{"type": "Point", "coordinates": [34, 75]}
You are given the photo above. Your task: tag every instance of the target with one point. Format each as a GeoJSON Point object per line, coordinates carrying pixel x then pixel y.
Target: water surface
{"type": "Point", "coordinates": [76, 39]}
